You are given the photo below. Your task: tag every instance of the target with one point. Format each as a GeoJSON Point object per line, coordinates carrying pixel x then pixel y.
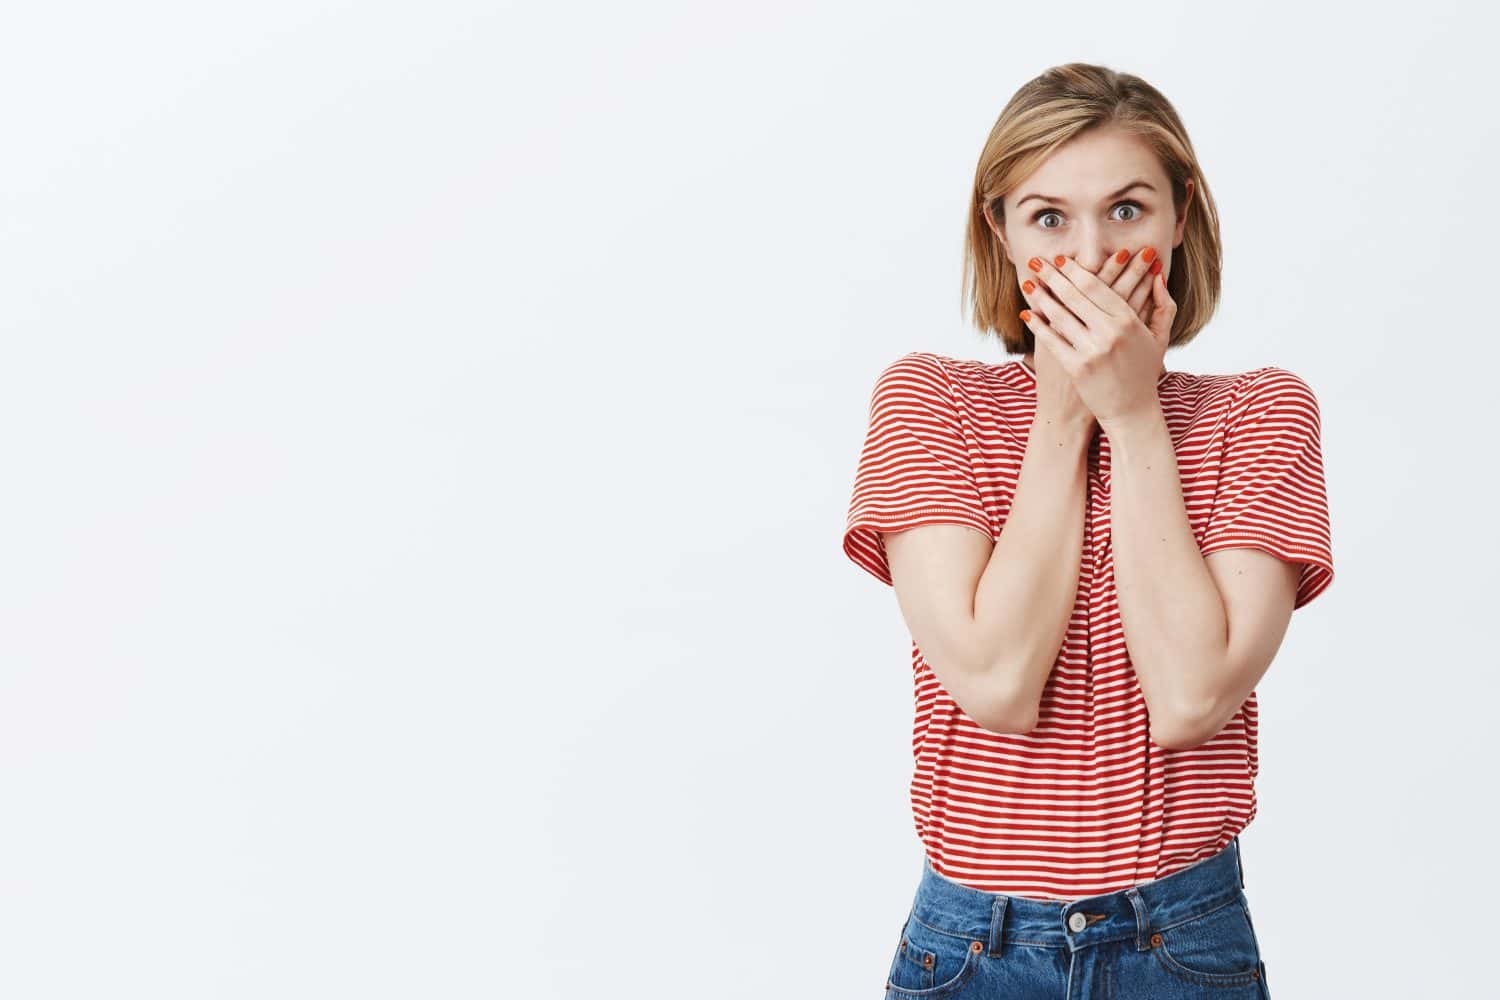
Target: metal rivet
{"type": "Point", "coordinates": [927, 961]}
{"type": "Point", "coordinates": [976, 946]}
{"type": "Point", "coordinates": [1156, 940]}
{"type": "Point", "coordinates": [1254, 973]}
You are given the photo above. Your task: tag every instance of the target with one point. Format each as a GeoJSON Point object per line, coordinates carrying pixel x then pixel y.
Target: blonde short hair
{"type": "Point", "coordinates": [1054, 107]}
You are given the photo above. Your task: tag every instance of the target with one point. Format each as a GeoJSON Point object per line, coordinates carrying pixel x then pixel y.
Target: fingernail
{"type": "Point", "coordinates": [1035, 264]}
{"type": "Point", "coordinates": [1156, 267]}
{"type": "Point", "coordinates": [1025, 315]}
{"type": "Point", "coordinates": [1148, 254]}
{"type": "Point", "coordinates": [1059, 260]}
{"type": "Point", "coordinates": [1122, 256]}
{"type": "Point", "coordinates": [1028, 286]}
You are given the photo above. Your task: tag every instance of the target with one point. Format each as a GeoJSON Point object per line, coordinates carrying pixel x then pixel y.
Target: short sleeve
{"type": "Point", "coordinates": [914, 468]}
{"type": "Point", "coordinates": [1271, 492]}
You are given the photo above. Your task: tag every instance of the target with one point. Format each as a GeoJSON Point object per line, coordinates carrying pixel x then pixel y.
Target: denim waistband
{"type": "Point", "coordinates": [1135, 913]}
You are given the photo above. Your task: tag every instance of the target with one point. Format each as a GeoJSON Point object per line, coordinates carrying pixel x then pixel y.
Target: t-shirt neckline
{"type": "Point", "coordinates": [1031, 375]}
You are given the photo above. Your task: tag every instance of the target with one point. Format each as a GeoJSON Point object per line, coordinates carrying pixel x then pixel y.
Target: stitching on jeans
{"type": "Point", "coordinates": [966, 938]}
{"type": "Point", "coordinates": [939, 930]}
{"type": "Point", "coordinates": [1195, 916]}
{"type": "Point", "coordinates": [972, 937]}
{"type": "Point", "coordinates": [957, 982]}
{"type": "Point", "coordinates": [1203, 978]}
{"type": "Point", "coordinates": [1048, 944]}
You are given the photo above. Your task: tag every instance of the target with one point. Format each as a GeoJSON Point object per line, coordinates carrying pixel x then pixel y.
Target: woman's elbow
{"type": "Point", "coordinates": [1009, 716]}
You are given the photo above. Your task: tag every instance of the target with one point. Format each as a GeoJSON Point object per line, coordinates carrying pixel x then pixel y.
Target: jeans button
{"type": "Point", "coordinates": [1077, 922]}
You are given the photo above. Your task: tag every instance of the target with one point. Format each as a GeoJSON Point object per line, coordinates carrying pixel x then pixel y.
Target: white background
{"type": "Point", "coordinates": [428, 432]}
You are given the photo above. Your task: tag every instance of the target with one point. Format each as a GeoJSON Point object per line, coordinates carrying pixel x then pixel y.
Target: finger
{"type": "Point", "coordinates": [1114, 266]}
{"type": "Point", "coordinates": [1135, 275]}
{"type": "Point", "coordinates": [1049, 338]}
{"type": "Point", "coordinates": [1057, 315]}
{"type": "Point", "coordinates": [1166, 309]}
{"type": "Point", "coordinates": [1055, 290]}
{"type": "Point", "coordinates": [1140, 300]}
{"type": "Point", "coordinates": [1066, 280]}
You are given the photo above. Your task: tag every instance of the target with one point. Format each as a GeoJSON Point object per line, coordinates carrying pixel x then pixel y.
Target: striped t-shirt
{"type": "Point", "coordinates": [1086, 803]}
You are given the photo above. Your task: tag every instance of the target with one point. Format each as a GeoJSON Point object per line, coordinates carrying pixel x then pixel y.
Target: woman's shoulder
{"type": "Point", "coordinates": [1267, 382]}
{"type": "Point", "coordinates": [966, 376]}
{"type": "Point", "coordinates": [1269, 398]}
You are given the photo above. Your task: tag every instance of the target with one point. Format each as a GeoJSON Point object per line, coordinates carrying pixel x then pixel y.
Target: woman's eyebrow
{"type": "Point", "coordinates": [1063, 201]}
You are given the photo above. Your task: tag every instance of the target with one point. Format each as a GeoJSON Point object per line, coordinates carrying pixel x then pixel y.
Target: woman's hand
{"type": "Point", "coordinates": [1057, 402]}
{"type": "Point", "coordinates": [1093, 326]}
{"type": "Point", "coordinates": [1056, 397]}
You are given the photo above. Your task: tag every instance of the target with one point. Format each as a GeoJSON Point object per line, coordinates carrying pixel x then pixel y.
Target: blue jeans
{"type": "Point", "coordinates": [1187, 935]}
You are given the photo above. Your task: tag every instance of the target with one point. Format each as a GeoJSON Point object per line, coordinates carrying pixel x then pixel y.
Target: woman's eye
{"type": "Point", "coordinates": [1134, 206]}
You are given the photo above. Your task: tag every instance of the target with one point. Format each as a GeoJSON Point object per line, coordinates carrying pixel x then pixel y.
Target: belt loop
{"type": "Point", "coordinates": [997, 923]}
{"type": "Point", "coordinates": [1238, 863]}
{"type": "Point", "coordinates": [1142, 920]}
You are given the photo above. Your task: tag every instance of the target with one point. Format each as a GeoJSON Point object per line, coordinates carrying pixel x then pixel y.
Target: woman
{"type": "Point", "coordinates": [1097, 559]}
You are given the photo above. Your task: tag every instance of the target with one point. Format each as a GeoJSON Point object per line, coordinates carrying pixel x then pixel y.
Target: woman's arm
{"type": "Point", "coordinates": [1176, 629]}
{"type": "Point", "coordinates": [990, 618]}
{"type": "Point", "coordinates": [1203, 621]}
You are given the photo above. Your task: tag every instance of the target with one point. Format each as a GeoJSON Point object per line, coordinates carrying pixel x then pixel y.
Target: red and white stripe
{"type": "Point", "coordinates": [1086, 803]}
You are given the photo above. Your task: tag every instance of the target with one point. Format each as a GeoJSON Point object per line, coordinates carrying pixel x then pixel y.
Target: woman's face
{"type": "Point", "coordinates": [1077, 204]}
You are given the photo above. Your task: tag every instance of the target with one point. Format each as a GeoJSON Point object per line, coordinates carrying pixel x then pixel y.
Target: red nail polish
{"type": "Point", "coordinates": [1148, 254]}
{"type": "Point", "coordinates": [1156, 266]}
{"type": "Point", "coordinates": [1122, 256]}
{"type": "Point", "coordinates": [1059, 260]}
{"type": "Point", "coordinates": [1035, 264]}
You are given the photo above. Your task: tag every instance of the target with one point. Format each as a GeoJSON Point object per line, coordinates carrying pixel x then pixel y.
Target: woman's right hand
{"type": "Point", "coordinates": [1056, 399]}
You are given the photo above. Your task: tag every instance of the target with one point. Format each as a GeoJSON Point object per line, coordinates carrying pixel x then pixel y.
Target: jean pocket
{"type": "Point", "coordinates": [1217, 948]}
{"type": "Point", "coordinates": [931, 962]}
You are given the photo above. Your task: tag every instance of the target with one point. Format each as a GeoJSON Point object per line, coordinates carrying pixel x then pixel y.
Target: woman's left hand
{"type": "Point", "coordinates": [1115, 358]}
